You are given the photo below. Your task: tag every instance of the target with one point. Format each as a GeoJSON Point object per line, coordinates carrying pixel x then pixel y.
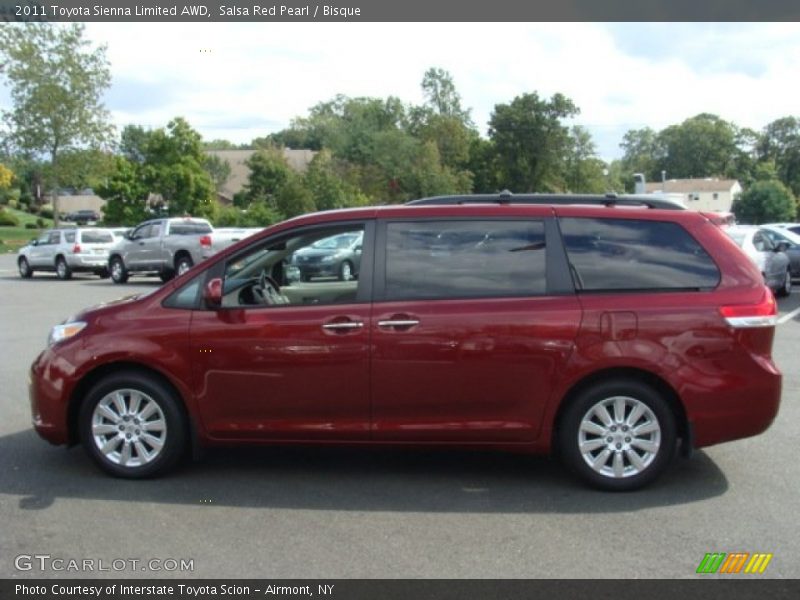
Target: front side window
{"type": "Point", "coordinates": [320, 265]}
{"type": "Point", "coordinates": [464, 259]}
{"type": "Point", "coordinates": [142, 232]}
{"type": "Point", "coordinates": [635, 255]}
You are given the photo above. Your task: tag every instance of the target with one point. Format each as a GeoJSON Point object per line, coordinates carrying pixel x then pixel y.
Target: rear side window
{"type": "Point", "coordinates": [96, 237]}
{"type": "Point", "coordinates": [464, 259]}
{"type": "Point", "coordinates": [188, 228]}
{"type": "Point", "coordinates": [630, 254]}
{"type": "Point", "coordinates": [70, 237]}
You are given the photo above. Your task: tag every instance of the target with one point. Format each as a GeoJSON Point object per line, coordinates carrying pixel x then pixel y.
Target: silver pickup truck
{"type": "Point", "coordinates": [168, 247]}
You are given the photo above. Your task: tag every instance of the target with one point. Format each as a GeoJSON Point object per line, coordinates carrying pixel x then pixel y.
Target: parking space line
{"type": "Point", "coordinates": [789, 316]}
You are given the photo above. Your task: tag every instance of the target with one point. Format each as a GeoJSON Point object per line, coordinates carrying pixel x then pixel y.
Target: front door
{"type": "Point", "coordinates": [285, 358]}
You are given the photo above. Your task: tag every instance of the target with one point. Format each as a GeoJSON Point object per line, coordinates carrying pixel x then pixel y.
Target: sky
{"type": "Point", "coordinates": [238, 81]}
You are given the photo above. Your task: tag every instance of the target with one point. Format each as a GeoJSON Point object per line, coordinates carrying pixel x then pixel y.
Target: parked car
{"type": "Point", "coordinates": [167, 247]}
{"type": "Point", "coordinates": [539, 323]}
{"type": "Point", "coordinates": [793, 227]}
{"type": "Point", "coordinates": [770, 258]}
{"type": "Point", "coordinates": [66, 251]}
{"type": "Point", "coordinates": [780, 235]}
{"type": "Point", "coordinates": [337, 256]}
{"type": "Point", "coordinates": [83, 217]}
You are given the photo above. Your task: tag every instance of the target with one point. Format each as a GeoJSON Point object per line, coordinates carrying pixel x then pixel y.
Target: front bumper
{"type": "Point", "coordinates": [49, 389]}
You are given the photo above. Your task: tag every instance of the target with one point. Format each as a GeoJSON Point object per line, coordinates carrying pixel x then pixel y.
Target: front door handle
{"type": "Point", "coordinates": [343, 326]}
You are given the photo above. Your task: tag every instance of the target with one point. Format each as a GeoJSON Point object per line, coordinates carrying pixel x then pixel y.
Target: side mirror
{"type": "Point", "coordinates": [358, 249]}
{"type": "Point", "coordinates": [212, 294]}
{"type": "Point", "coordinates": [34, 242]}
{"type": "Point", "coordinates": [782, 247]}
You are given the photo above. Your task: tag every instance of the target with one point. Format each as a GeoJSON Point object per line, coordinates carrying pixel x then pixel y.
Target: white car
{"type": "Point", "coordinates": [66, 251]}
{"type": "Point", "coordinates": [770, 258]}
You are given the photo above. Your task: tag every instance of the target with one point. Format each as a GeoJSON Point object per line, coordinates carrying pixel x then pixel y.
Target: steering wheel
{"type": "Point", "coordinates": [267, 290]}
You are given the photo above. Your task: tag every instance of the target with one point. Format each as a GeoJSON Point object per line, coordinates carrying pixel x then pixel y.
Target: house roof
{"type": "Point", "coordinates": [684, 186]}
{"type": "Point", "coordinates": [298, 160]}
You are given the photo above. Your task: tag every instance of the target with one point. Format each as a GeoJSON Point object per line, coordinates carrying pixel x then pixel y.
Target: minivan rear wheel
{"type": "Point", "coordinates": [618, 435]}
{"type": "Point", "coordinates": [132, 425]}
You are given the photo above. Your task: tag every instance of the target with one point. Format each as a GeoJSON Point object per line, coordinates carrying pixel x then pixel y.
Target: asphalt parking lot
{"type": "Point", "coordinates": [349, 513]}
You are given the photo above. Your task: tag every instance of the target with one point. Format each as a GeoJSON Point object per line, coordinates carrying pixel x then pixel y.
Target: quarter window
{"type": "Point", "coordinates": [464, 259]}
{"type": "Point", "coordinates": [631, 254]}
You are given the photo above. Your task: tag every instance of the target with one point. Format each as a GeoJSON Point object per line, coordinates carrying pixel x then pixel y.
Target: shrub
{"type": "Point", "coordinates": [8, 220]}
{"type": "Point", "coordinates": [40, 224]}
{"type": "Point", "coordinates": [32, 226]}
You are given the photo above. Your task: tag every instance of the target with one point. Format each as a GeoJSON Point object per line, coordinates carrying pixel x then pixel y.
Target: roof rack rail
{"type": "Point", "coordinates": [506, 197]}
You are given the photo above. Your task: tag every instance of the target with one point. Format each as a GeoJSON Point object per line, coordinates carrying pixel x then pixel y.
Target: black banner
{"type": "Point", "coordinates": [712, 588]}
{"type": "Point", "coordinates": [398, 11]}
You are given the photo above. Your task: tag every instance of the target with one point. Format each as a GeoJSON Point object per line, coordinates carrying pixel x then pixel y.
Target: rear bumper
{"type": "Point", "coordinates": [88, 262]}
{"type": "Point", "coordinates": [745, 406]}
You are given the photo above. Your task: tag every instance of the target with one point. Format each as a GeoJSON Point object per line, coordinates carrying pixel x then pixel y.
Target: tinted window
{"type": "Point", "coordinates": [55, 238]}
{"type": "Point", "coordinates": [188, 228]}
{"type": "Point", "coordinates": [186, 297]}
{"type": "Point", "coordinates": [70, 237]}
{"type": "Point", "coordinates": [96, 237]}
{"type": "Point", "coordinates": [627, 254]}
{"type": "Point", "coordinates": [465, 259]}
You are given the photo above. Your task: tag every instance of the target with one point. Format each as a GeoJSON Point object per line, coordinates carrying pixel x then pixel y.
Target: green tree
{"type": "Point", "coordinates": [701, 146]}
{"type": "Point", "coordinates": [218, 169]}
{"type": "Point", "coordinates": [765, 202]}
{"type": "Point", "coordinates": [125, 193]}
{"type": "Point", "coordinates": [268, 172]}
{"type": "Point", "coordinates": [292, 198]}
{"type": "Point", "coordinates": [642, 153]}
{"type": "Point", "coordinates": [57, 81]}
{"type": "Point", "coordinates": [328, 188]}
{"type": "Point", "coordinates": [584, 171]}
{"type": "Point", "coordinates": [531, 141]}
{"type": "Point", "coordinates": [780, 143]}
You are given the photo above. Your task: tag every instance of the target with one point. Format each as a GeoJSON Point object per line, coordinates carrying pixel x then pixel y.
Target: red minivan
{"type": "Point", "coordinates": [611, 331]}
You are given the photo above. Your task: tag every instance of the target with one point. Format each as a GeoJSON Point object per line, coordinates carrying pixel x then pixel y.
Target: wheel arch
{"type": "Point", "coordinates": [86, 383]}
{"type": "Point", "coordinates": [683, 428]}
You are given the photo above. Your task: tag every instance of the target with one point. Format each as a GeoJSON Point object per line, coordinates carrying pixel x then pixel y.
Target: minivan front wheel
{"type": "Point", "coordinates": [25, 270]}
{"type": "Point", "coordinates": [132, 425]}
{"type": "Point", "coordinates": [618, 435]}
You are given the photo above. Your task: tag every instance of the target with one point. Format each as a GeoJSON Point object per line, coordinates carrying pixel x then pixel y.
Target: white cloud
{"type": "Point", "coordinates": [239, 81]}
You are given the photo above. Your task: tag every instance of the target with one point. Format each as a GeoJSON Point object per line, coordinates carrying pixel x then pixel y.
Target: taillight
{"type": "Point", "coordinates": [762, 314]}
{"type": "Point", "coordinates": [76, 249]}
{"type": "Point", "coordinates": [205, 240]}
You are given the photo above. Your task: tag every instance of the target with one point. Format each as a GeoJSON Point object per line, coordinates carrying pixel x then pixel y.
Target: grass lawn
{"type": "Point", "coordinates": [13, 238]}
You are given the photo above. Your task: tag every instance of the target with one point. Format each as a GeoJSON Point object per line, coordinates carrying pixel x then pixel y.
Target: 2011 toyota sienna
{"type": "Point", "coordinates": [611, 331]}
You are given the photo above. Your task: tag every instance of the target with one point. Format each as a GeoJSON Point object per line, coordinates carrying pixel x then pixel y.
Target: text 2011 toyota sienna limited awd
{"type": "Point", "coordinates": [609, 334]}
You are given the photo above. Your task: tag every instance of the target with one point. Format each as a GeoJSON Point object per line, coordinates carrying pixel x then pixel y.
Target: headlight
{"type": "Point", "coordinates": [329, 258]}
{"type": "Point", "coordinates": [62, 332]}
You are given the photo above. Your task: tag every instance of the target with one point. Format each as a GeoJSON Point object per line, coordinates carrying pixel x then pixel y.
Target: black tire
{"type": "Point", "coordinates": [24, 267]}
{"type": "Point", "coordinates": [62, 269]}
{"type": "Point", "coordinates": [126, 386]}
{"type": "Point", "coordinates": [182, 264]}
{"type": "Point", "coordinates": [616, 445]}
{"type": "Point", "coordinates": [103, 273]}
{"type": "Point", "coordinates": [786, 288]}
{"type": "Point", "coordinates": [346, 272]}
{"type": "Point", "coordinates": [165, 276]}
{"type": "Point", "coordinates": [119, 274]}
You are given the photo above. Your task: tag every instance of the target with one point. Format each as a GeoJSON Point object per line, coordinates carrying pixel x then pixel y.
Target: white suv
{"type": "Point", "coordinates": [66, 251]}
